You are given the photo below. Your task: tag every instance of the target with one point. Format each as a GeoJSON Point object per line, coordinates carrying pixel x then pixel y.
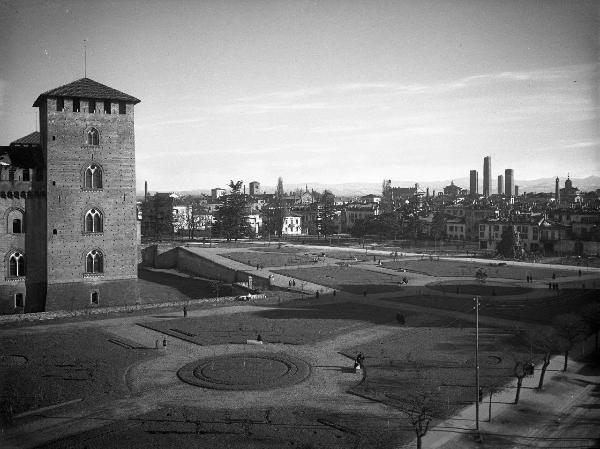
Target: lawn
{"type": "Point", "coordinates": [60, 368]}
{"type": "Point", "coordinates": [468, 269]}
{"type": "Point", "coordinates": [535, 310]}
{"type": "Point", "coordinates": [350, 279]}
{"type": "Point", "coordinates": [269, 259]}
{"type": "Point", "coordinates": [478, 289]}
{"type": "Point", "coordinates": [299, 324]}
{"type": "Point", "coordinates": [441, 359]}
{"type": "Point", "coordinates": [244, 427]}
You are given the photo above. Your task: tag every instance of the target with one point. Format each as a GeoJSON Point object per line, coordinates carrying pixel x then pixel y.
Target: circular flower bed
{"type": "Point", "coordinates": [245, 372]}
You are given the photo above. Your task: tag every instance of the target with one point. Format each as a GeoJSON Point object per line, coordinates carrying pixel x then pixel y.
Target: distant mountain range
{"type": "Point", "coordinates": [352, 189]}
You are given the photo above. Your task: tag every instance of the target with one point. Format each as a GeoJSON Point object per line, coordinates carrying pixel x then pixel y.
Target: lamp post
{"type": "Point", "coordinates": [476, 299]}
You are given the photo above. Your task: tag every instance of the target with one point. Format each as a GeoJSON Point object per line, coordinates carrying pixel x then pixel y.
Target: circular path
{"type": "Point", "coordinates": [259, 371]}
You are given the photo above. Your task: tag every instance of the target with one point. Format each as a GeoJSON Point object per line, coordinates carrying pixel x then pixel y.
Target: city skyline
{"type": "Point", "coordinates": [330, 92]}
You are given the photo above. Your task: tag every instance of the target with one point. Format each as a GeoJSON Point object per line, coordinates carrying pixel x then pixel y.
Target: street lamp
{"type": "Point", "coordinates": [476, 299]}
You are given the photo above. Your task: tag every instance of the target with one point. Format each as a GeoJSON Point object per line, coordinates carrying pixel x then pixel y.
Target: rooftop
{"type": "Point", "coordinates": [30, 139]}
{"type": "Point", "coordinates": [86, 88]}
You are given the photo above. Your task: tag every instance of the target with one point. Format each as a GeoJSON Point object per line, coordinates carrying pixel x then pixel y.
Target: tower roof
{"type": "Point", "coordinates": [86, 88]}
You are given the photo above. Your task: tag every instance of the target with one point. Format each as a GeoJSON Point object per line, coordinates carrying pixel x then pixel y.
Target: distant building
{"type": "Point", "coordinates": [254, 188]}
{"type": "Point", "coordinates": [556, 192]}
{"type": "Point", "coordinates": [456, 229]}
{"type": "Point", "coordinates": [568, 193]}
{"type": "Point", "coordinates": [487, 176]}
{"type": "Point", "coordinates": [516, 190]}
{"type": "Point", "coordinates": [217, 193]}
{"type": "Point", "coordinates": [473, 182]}
{"type": "Point", "coordinates": [292, 225]}
{"type": "Point", "coordinates": [509, 182]}
{"type": "Point", "coordinates": [500, 185]}
{"type": "Point", "coordinates": [452, 190]}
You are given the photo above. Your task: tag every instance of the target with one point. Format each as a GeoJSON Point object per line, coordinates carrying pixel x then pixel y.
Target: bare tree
{"type": "Point", "coordinates": [420, 405]}
{"type": "Point", "coordinates": [546, 342]}
{"type": "Point", "coordinates": [570, 329]}
{"type": "Point", "coordinates": [520, 370]}
{"type": "Point", "coordinates": [591, 316]}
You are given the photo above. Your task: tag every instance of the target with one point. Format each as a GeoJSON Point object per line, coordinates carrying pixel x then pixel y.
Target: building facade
{"type": "Point", "coordinates": [500, 184]}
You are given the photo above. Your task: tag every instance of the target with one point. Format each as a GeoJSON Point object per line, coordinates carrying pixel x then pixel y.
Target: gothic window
{"type": "Point", "coordinates": [94, 262]}
{"type": "Point", "coordinates": [93, 221]}
{"type": "Point", "coordinates": [93, 137]}
{"type": "Point", "coordinates": [93, 177]}
{"type": "Point", "coordinates": [16, 264]}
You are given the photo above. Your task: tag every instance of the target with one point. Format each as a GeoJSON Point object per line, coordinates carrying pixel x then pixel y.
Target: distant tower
{"type": "Point", "coordinates": [500, 184]}
{"type": "Point", "coordinates": [556, 192]}
{"type": "Point", "coordinates": [487, 176]}
{"type": "Point", "coordinates": [254, 187]}
{"type": "Point", "coordinates": [474, 182]}
{"type": "Point", "coordinates": [509, 182]}
{"type": "Point", "coordinates": [280, 191]}
{"type": "Point", "coordinates": [516, 190]}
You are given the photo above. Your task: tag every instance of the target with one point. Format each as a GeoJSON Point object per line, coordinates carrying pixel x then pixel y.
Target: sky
{"type": "Point", "coordinates": [322, 91]}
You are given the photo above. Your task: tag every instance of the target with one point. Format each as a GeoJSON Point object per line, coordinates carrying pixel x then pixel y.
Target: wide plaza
{"type": "Point", "coordinates": [162, 379]}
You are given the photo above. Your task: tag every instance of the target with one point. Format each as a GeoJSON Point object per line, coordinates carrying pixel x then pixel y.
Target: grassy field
{"type": "Point", "coordinates": [60, 368]}
{"type": "Point", "coordinates": [270, 259]}
{"type": "Point", "coordinates": [468, 269]}
{"type": "Point", "coordinates": [536, 310]}
{"type": "Point", "coordinates": [350, 279]}
{"type": "Point", "coordinates": [442, 358]}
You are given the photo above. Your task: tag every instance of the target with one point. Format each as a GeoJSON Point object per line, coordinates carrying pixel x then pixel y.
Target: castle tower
{"type": "Point", "coordinates": [82, 249]}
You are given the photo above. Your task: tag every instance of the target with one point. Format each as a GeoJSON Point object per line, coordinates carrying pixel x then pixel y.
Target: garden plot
{"type": "Point", "coordinates": [350, 279]}
{"type": "Point", "coordinates": [452, 268]}
{"type": "Point", "coordinates": [246, 428]}
{"type": "Point", "coordinates": [520, 308]}
{"type": "Point", "coordinates": [300, 324]}
{"type": "Point", "coordinates": [269, 259]}
{"type": "Point", "coordinates": [438, 358]}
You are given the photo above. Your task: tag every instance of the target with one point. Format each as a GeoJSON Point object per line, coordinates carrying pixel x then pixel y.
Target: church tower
{"type": "Point", "coordinates": [556, 192]}
{"type": "Point", "coordinates": [81, 242]}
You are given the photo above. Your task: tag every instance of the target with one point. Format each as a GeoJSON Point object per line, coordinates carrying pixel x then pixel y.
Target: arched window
{"type": "Point", "coordinates": [16, 264]}
{"type": "Point", "coordinates": [94, 262]}
{"type": "Point", "coordinates": [93, 177]}
{"type": "Point", "coordinates": [93, 138]}
{"type": "Point", "coordinates": [93, 221]}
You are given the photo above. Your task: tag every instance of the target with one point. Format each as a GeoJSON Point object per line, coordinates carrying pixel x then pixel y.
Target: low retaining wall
{"type": "Point", "coordinates": [42, 316]}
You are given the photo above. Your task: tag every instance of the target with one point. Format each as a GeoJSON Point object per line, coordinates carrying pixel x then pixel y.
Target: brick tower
{"type": "Point", "coordinates": [81, 240]}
